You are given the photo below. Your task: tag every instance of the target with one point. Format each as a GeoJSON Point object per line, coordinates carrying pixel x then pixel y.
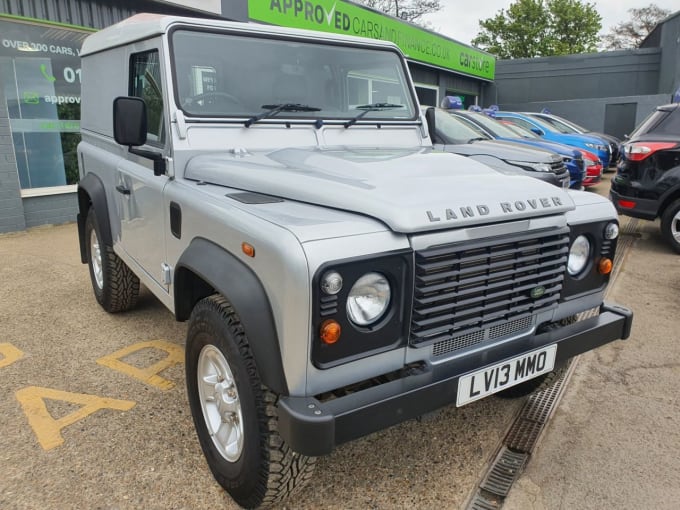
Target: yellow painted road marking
{"type": "Point", "coordinates": [147, 375]}
{"type": "Point", "coordinates": [46, 428]}
{"type": "Point", "coordinates": [9, 354]}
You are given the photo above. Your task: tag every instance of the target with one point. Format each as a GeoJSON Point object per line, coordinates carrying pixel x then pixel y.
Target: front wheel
{"type": "Point", "coordinates": [670, 225]}
{"type": "Point", "coordinates": [234, 413]}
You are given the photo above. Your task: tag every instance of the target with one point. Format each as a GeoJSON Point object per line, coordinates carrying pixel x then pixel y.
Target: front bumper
{"type": "Point", "coordinates": [311, 427]}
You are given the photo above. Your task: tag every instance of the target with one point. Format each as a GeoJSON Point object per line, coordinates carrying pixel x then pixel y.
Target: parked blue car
{"type": "Point", "coordinates": [573, 159]}
{"type": "Point", "coordinates": [567, 126]}
{"type": "Point", "coordinates": [593, 144]}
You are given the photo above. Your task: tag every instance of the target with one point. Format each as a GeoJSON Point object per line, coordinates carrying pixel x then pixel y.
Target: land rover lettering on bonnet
{"type": "Point", "coordinates": [277, 189]}
{"type": "Point", "coordinates": [470, 211]}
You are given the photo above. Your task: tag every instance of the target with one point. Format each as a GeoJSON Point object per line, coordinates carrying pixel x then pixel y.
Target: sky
{"type": "Point", "coordinates": [459, 19]}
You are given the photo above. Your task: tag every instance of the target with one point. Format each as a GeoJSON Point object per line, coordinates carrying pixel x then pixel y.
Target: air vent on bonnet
{"type": "Point", "coordinates": [248, 197]}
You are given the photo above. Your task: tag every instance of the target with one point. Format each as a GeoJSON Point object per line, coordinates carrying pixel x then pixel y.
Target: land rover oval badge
{"type": "Point", "coordinates": [537, 292]}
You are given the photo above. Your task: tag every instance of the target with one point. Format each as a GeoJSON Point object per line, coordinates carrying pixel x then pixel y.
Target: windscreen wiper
{"type": "Point", "coordinates": [478, 139]}
{"type": "Point", "coordinates": [373, 107]}
{"type": "Point", "coordinates": [273, 109]}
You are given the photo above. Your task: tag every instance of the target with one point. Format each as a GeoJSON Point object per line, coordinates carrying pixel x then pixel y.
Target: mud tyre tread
{"type": "Point", "coordinates": [268, 471]}
{"type": "Point", "coordinates": [120, 289]}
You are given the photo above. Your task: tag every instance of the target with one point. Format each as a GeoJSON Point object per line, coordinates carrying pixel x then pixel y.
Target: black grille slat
{"type": "Point", "coordinates": [496, 253]}
{"type": "Point", "coordinates": [496, 284]}
{"type": "Point", "coordinates": [496, 296]}
{"type": "Point", "coordinates": [461, 288]}
{"type": "Point", "coordinates": [500, 263]}
{"type": "Point", "coordinates": [477, 310]}
{"type": "Point", "coordinates": [457, 248]}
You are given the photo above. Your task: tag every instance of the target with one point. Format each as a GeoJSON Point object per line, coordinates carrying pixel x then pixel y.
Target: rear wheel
{"type": "Point", "coordinates": [115, 286]}
{"type": "Point", "coordinates": [670, 225]}
{"type": "Point", "coordinates": [235, 414]}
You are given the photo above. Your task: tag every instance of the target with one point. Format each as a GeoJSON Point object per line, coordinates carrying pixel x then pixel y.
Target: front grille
{"type": "Point", "coordinates": [558, 167]}
{"type": "Point", "coordinates": [461, 289]}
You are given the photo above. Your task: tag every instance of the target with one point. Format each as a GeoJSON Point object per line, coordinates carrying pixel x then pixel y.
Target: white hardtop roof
{"type": "Point", "coordinates": [145, 26]}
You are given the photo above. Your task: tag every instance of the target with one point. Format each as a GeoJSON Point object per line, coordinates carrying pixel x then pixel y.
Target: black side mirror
{"type": "Point", "coordinates": [129, 121]}
{"type": "Point", "coordinates": [431, 129]}
{"type": "Point", "coordinates": [129, 128]}
{"type": "Point", "coordinates": [537, 131]}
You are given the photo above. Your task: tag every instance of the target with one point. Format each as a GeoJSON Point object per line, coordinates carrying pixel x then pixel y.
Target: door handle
{"type": "Point", "coordinates": [122, 189]}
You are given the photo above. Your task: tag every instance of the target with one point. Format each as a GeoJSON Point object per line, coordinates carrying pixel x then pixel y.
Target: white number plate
{"type": "Point", "coordinates": [503, 375]}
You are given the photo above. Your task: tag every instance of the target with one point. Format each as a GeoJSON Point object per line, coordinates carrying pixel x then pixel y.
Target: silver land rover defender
{"type": "Point", "coordinates": [277, 189]}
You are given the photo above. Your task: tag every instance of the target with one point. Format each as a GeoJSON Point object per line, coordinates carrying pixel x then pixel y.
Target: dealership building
{"type": "Point", "coordinates": [40, 77]}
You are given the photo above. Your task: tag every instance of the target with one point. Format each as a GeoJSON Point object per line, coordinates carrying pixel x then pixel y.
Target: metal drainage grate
{"type": "Point", "coordinates": [628, 234]}
{"type": "Point", "coordinates": [480, 502]}
{"type": "Point", "coordinates": [505, 470]}
{"type": "Point", "coordinates": [524, 432]}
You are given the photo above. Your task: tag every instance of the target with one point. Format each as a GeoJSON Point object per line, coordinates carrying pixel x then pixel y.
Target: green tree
{"type": "Point", "coordinates": [538, 28]}
{"type": "Point", "coordinates": [629, 34]}
{"type": "Point", "coordinates": [408, 10]}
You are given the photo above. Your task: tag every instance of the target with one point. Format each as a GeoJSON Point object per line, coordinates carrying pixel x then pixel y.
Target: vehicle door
{"type": "Point", "coordinates": [139, 194]}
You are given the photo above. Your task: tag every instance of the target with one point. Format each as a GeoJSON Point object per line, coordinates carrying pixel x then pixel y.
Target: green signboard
{"type": "Point", "coordinates": [345, 18]}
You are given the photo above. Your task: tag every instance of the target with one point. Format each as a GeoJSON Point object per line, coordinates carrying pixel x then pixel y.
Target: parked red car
{"type": "Point", "coordinates": [593, 168]}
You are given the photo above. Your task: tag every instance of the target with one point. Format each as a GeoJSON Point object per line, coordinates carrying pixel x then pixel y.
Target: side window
{"type": "Point", "coordinates": [145, 82]}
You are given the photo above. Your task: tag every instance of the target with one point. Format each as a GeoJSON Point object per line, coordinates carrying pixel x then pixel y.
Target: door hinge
{"type": "Point", "coordinates": [167, 273]}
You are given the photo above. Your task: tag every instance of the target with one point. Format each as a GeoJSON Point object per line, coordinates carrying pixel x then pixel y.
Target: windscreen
{"type": "Point", "coordinates": [494, 126]}
{"type": "Point", "coordinates": [520, 131]}
{"type": "Point", "coordinates": [453, 129]}
{"type": "Point", "coordinates": [562, 125]}
{"type": "Point", "coordinates": [228, 75]}
{"type": "Point", "coordinates": [660, 121]}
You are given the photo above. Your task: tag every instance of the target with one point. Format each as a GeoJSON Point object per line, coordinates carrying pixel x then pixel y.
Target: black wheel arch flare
{"type": "Point", "coordinates": [204, 268]}
{"type": "Point", "coordinates": [91, 193]}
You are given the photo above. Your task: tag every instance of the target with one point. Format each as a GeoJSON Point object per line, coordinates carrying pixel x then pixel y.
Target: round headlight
{"type": "Point", "coordinates": [331, 283]}
{"type": "Point", "coordinates": [611, 231]}
{"type": "Point", "coordinates": [368, 299]}
{"type": "Point", "coordinates": [579, 253]}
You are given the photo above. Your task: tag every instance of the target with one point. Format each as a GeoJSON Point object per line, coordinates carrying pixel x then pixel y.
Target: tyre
{"type": "Point", "coordinates": [115, 286]}
{"type": "Point", "coordinates": [670, 225]}
{"type": "Point", "coordinates": [234, 413]}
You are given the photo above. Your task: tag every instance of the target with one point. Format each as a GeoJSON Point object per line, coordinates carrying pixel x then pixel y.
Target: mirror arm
{"type": "Point", "coordinates": [159, 167]}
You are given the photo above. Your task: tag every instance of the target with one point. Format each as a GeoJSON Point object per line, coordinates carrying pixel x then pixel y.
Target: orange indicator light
{"type": "Point", "coordinates": [605, 266]}
{"type": "Point", "coordinates": [330, 332]}
{"type": "Point", "coordinates": [248, 249]}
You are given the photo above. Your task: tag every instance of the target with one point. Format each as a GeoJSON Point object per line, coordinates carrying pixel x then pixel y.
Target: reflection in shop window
{"type": "Point", "coordinates": [40, 80]}
{"type": "Point", "coordinates": [368, 89]}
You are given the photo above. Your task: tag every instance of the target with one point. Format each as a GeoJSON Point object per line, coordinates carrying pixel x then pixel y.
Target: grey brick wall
{"type": "Point", "coordinates": [11, 207]}
{"type": "Point", "coordinates": [50, 209]}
